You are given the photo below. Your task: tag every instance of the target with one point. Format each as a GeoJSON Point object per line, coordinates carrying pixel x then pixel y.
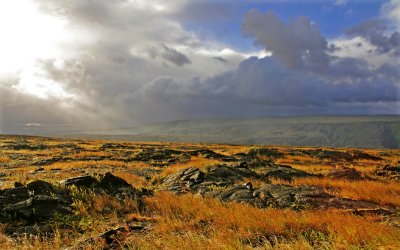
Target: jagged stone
{"type": "Point", "coordinates": [219, 182]}
{"type": "Point", "coordinates": [45, 206]}
{"type": "Point", "coordinates": [14, 195]}
{"type": "Point", "coordinates": [18, 184]}
{"type": "Point", "coordinates": [268, 169]}
{"type": "Point", "coordinates": [236, 193]}
{"type": "Point", "coordinates": [112, 183]}
{"type": "Point", "coordinates": [227, 173]}
{"type": "Point", "coordinates": [23, 208]}
{"type": "Point", "coordinates": [81, 181]}
{"type": "Point", "coordinates": [40, 187]}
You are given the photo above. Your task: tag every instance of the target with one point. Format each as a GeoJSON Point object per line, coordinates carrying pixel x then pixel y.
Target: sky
{"type": "Point", "coordinates": [86, 64]}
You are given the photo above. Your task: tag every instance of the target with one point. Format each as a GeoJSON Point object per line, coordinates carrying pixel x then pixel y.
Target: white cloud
{"type": "Point", "coordinates": [341, 2]}
{"type": "Point", "coordinates": [392, 11]}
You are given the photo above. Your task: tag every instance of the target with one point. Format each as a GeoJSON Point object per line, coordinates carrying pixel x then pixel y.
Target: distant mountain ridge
{"type": "Point", "coordinates": [328, 131]}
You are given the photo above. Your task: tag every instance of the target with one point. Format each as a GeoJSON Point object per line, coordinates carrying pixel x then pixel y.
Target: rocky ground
{"type": "Point", "coordinates": [80, 194]}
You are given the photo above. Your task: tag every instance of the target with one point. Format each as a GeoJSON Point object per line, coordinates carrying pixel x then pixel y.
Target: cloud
{"type": "Point", "coordinates": [170, 55]}
{"type": "Point", "coordinates": [122, 68]}
{"type": "Point", "coordinates": [106, 57]}
{"type": "Point", "coordinates": [297, 44]}
{"type": "Point", "coordinates": [375, 31]}
{"type": "Point", "coordinates": [220, 58]}
{"type": "Point", "coordinates": [391, 10]}
{"type": "Point", "coordinates": [265, 81]}
{"type": "Point", "coordinates": [304, 75]}
{"type": "Point", "coordinates": [341, 2]}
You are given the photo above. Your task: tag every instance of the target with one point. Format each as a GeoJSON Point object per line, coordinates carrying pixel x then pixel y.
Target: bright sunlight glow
{"type": "Point", "coordinates": [29, 35]}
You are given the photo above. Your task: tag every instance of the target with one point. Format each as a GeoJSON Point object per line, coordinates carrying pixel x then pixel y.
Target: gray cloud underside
{"type": "Point", "coordinates": [259, 85]}
{"type": "Point", "coordinates": [302, 75]}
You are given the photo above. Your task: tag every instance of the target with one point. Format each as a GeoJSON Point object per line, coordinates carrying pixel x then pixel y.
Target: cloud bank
{"type": "Point", "coordinates": [122, 68]}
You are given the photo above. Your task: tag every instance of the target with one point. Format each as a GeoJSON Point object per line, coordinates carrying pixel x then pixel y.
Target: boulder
{"type": "Point", "coordinates": [36, 201]}
{"type": "Point", "coordinates": [45, 206]}
{"type": "Point", "coordinates": [237, 193]}
{"type": "Point", "coordinates": [112, 183]}
{"type": "Point", "coordinates": [229, 174]}
{"type": "Point", "coordinates": [22, 208]}
{"type": "Point", "coordinates": [81, 181]}
{"type": "Point", "coordinates": [14, 195]}
{"type": "Point", "coordinates": [18, 184]}
{"type": "Point", "coordinates": [40, 187]}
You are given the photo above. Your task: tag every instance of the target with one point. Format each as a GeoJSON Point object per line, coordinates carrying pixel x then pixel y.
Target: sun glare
{"type": "Point", "coordinates": [29, 35]}
{"type": "Point", "coordinates": [33, 81]}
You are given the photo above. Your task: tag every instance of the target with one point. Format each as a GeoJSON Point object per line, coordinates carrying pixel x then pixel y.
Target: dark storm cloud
{"type": "Point", "coordinates": [174, 56]}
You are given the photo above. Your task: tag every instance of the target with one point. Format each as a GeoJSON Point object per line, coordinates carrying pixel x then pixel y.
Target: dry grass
{"type": "Point", "coordinates": [82, 164]}
{"type": "Point", "coordinates": [134, 180]}
{"type": "Point", "coordinates": [186, 222]}
{"type": "Point", "coordinates": [4, 159]}
{"type": "Point", "coordinates": [383, 193]}
{"type": "Point", "coordinates": [314, 168]}
{"type": "Point", "coordinates": [83, 154]}
{"type": "Point", "coordinates": [365, 168]}
{"type": "Point", "coordinates": [304, 159]}
{"type": "Point", "coordinates": [231, 150]}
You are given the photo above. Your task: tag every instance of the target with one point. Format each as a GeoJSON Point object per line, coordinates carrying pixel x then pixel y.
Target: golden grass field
{"type": "Point", "coordinates": [191, 221]}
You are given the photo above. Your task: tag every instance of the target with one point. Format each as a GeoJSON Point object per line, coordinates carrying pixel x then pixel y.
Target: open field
{"type": "Point", "coordinates": [97, 194]}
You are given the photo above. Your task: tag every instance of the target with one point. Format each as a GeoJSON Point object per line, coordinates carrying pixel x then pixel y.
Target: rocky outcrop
{"type": "Point", "coordinates": [345, 173]}
{"type": "Point", "coordinates": [389, 172]}
{"type": "Point", "coordinates": [223, 182]}
{"type": "Point", "coordinates": [81, 181]}
{"type": "Point", "coordinates": [112, 183]}
{"type": "Point", "coordinates": [35, 201]}
{"type": "Point", "coordinates": [209, 154]}
{"type": "Point", "coordinates": [39, 201]}
{"type": "Point", "coordinates": [161, 157]}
